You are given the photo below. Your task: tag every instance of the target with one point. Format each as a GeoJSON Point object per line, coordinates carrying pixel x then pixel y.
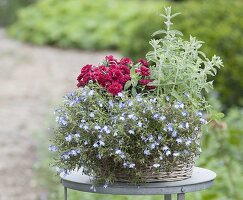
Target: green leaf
{"type": "Point", "coordinates": [134, 91]}
{"type": "Point", "coordinates": [176, 32]}
{"type": "Point", "coordinates": [219, 115]}
{"type": "Point", "coordinates": [175, 94]}
{"type": "Point", "coordinates": [153, 83]}
{"type": "Point", "coordinates": [134, 82]}
{"type": "Point", "coordinates": [159, 32]}
{"type": "Point", "coordinates": [127, 85]}
{"type": "Point", "coordinates": [215, 115]}
{"type": "Point", "coordinates": [174, 15]}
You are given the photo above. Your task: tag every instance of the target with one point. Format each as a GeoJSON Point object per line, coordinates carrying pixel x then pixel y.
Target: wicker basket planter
{"type": "Point", "coordinates": [181, 171]}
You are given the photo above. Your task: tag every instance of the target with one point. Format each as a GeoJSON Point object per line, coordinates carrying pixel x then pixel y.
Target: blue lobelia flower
{"type": "Point", "coordinates": [151, 137]}
{"type": "Point", "coordinates": [101, 143]}
{"type": "Point", "coordinates": [165, 148]}
{"type": "Point", "coordinates": [188, 142]}
{"type": "Point", "coordinates": [174, 133]}
{"type": "Point", "coordinates": [86, 127]}
{"type": "Point", "coordinates": [167, 153]}
{"type": "Point", "coordinates": [65, 156]}
{"type": "Point", "coordinates": [140, 124]}
{"type": "Point", "coordinates": [156, 165]}
{"type": "Point", "coordinates": [138, 98]}
{"type": "Point", "coordinates": [121, 105]}
{"type": "Point", "coordinates": [179, 140]}
{"type": "Point", "coordinates": [146, 152]}
{"type": "Point", "coordinates": [203, 121]}
{"type": "Point", "coordinates": [154, 100]}
{"type": "Point", "coordinates": [118, 151]}
{"type": "Point", "coordinates": [96, 145]}
{"type": "Point", "coordinates": [69, 138]}
{"type": "Point", "coordinates": [131, 165]}
{"type": "Point", "coordinates": [59, 170]}
{"type": "Point", "coordinates": [73, 153]}
{"type": "Point", "coordinates": [120, 94]}
{"type": "Point", "coordinates": [162, 118]}
{"type": "Point", "coordinates": [122, 118]}
{"type": "Point", "coordinates": [153, 146]}
{"type": "Point", "coordinates": [184, 113]}
{"type": "Point", "coordinates": [156, 116]}
{"type": "Point", "coordinates": [106, 129]}
{"type": "Point", "coordinates": [185, 125]}
{"type": "Point", "coordinates": [77, 135]}
{"type": "Point", "coordinates": [91, 115]}
{"type": "Point", "coordinates": [130, 103]}
{"type": "Point", "coordinates": [176, 154]}
{"type": "Point", "coordinates": [62, 120]}
{"type": "Point", "coordinates": [97, 127]}
{"type": "Point", "coordinates": [179, 104]}
{"type": "Point", "coordinates": [169, 127]}
{"type": "Point", "coordinates": [111, 103]}
{"type": "Point", "coordinates": [186, 95]}
{"type": "Point", "coordinates": [91, 93]}
{"type": "Point", "coordinates": [199, 114]}
{"type": "Point", "coordinates": [53, 148]}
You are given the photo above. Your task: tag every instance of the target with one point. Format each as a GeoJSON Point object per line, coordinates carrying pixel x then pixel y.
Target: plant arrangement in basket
{"type": "Point", "coordinates": [137, 122]}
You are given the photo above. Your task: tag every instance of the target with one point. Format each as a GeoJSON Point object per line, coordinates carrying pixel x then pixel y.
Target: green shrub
{"type": "Point", "coordinates": [222, 152]}
{"type": "Point", "coordinates": [128, 25]}
{"type": "Point", "coordinates": [80, 24]}
{"type": "Point", "coordinates": [8, 9]}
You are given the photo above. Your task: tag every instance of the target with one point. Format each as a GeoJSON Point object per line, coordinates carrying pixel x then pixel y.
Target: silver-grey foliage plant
{"type": "Point", "coordinates": [180, 67]}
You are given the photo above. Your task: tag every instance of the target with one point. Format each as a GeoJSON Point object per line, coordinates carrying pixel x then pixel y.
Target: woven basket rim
{"type": "Point", "coordinates": [181, 171]}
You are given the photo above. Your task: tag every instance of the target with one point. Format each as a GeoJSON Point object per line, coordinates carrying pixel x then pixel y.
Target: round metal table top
{"type": "Point", "coordinates": [201, 179]}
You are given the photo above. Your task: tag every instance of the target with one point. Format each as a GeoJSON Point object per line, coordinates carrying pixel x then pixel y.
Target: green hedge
{"type": "Point", "coordinates": [128, 25]}
{"type": "Point", "coordinates": [8, 9]}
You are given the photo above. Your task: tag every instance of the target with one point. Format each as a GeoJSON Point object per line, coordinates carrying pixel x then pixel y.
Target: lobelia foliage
{"type": "Point", "coordinates": [126, 118]}
{"type": "Point", "coordinates": [108, 135]}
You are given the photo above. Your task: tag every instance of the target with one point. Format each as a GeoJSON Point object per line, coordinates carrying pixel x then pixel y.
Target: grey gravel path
{"type": "Point", "coordinates": [32, 80]}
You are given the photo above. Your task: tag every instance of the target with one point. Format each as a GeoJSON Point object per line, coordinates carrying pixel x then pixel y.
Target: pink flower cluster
{"type": "Point", "coordinates": [114, 74]}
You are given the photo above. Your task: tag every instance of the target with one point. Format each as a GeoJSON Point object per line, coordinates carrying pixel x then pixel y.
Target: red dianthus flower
{"type": "Point", "coordinates": [85, 69]}
{"type": "Point", "coordinates": [144, 71]}
{"type": "Point", "coordinates": [126, 61]}
{"type": "Point", "coordinates": [104, 80]}
{"type": "Point", "coordinates": [115, 74]}
{"type": "Point", "coordinates": [145, 82]}
{"type": "Point", "coordinates": [115, 88]}
{"type": "Point", "coordinates": [85, 75]}
{"type": "Point", "coordinates": [110, 59]}
{"type": "Point", "coordinates": [143, 62]}
{"type": "Point", "coordinates": [125, 78]}
{"type": "Point", "coordinates": [124, 69]}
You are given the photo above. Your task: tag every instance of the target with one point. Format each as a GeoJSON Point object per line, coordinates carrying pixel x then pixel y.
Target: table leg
{"type": "Point", "coordinates": [167, 197]}
{"type": "Point", "coordinates": [181, 196]}
{"type": "Point", "coordinates": [65, 193]}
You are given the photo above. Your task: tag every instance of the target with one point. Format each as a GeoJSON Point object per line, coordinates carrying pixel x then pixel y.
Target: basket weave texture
{"type": "Point", "coordinates": [181, 171]}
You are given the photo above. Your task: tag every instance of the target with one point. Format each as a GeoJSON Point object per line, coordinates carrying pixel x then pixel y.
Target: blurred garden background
{"type": "Point", "coordinates": [44, 43]}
